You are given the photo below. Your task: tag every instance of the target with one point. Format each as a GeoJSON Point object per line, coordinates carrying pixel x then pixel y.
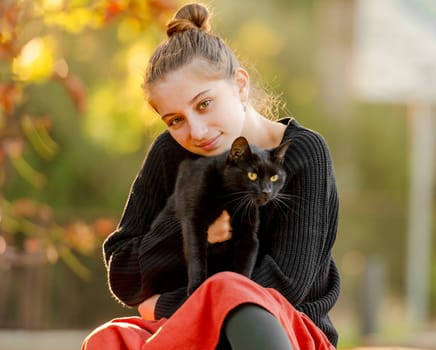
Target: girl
{"type": "Point", "coordinates": [202, 93]}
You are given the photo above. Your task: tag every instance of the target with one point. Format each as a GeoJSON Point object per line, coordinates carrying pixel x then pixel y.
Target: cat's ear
{"type": "Point", "coordinates": [240, 150]}
{"type": "Point", "coordinates": [280, 151]}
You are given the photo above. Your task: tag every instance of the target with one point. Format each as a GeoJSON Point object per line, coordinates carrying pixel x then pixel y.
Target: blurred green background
{"type": "Point", "coordinates": [74, 129]}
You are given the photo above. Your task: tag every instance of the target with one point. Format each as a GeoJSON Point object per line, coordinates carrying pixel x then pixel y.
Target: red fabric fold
{"type": "Point", "coordinates": [196, 325]}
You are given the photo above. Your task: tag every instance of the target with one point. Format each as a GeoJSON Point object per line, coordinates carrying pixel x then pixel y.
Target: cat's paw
{"type": "Point", "coordinates": [246, 271]}
{"type": "Point", "coordinates": [192, 286]}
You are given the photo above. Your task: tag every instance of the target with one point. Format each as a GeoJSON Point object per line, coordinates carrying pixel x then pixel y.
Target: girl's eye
{"type": "Point", "coordinates": [204, 104]}
{"type": "Point", "coordinates": [252, 176]}
{"type": "Point", "coordinates": [175, 121]}
{"type": "Point", "coordinates": [274, 178]}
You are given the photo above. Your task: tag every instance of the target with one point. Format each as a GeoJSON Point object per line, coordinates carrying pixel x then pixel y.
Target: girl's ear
{"type": "Point", "coordinates": [242, 79]}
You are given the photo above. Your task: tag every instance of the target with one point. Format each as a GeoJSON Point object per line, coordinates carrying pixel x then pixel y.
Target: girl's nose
{"type": "Point", "coordinates": [198, 128]}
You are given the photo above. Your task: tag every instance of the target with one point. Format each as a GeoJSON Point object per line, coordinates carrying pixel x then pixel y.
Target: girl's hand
{"type": "Point", "coordinates": [220, 230]}
{"type": "Point", "coordinates": [146, 308]}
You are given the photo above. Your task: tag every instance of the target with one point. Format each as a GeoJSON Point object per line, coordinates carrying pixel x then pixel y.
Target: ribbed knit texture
{"type": "Point", "coordinates": [144, 255]}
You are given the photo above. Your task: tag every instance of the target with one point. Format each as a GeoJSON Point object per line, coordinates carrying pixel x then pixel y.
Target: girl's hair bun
{"type": "Point", "coordinates": [190, 16]}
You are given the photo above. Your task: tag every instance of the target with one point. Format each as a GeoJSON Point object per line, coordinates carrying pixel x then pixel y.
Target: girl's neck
{"type": "Point", "coordinates": [261, 131]}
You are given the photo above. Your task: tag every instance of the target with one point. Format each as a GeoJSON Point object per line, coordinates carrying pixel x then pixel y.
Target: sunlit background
{"type": "Point", "coordinates": [74, 129]}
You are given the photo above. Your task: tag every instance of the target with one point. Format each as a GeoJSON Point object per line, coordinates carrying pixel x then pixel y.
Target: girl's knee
{"type": "Point", "coordinates": [223, 282]}
{"type": "Point", "coordinates": [225, 278]}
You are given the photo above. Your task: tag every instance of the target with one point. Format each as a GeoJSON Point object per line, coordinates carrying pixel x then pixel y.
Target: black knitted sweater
{"type": "Point", "coordinates": [144, 255]}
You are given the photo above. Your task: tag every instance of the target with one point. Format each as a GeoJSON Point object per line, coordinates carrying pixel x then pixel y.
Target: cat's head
{"type": "Point", "coordinates": [255, 173]}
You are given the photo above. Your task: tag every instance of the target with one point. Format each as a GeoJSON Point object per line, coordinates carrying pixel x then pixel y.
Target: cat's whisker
{"type": "Point", "coordinates": [290, 197]}
{"type": "Point", "coordinates": [238, 197]}
{"type": "Point", "coordinates": [279, 205]}
{"type": "Point", "coordinates": [245, 213]}
{"type": "Point", "coordinates": [243, 205]}
{"type": "Point", "coordinates": [252, 208]}
{"type": "Point", "coordinates": [294, 199]}
{"type": "Point", "coordinates": [246, 205]}
{"type": "Point", "coordinates": [283, 203]}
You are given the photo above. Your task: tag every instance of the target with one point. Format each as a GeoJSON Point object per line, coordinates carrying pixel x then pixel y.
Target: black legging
{"type": "Point", "coordinates": [251, 327]}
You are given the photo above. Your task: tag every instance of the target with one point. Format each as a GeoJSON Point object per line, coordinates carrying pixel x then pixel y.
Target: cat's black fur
{"type": "Point", "coordinates": [207, 186]}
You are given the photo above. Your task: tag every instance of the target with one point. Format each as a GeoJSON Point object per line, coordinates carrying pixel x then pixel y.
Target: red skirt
{"type": "Point", "coordinates": [196, 325]}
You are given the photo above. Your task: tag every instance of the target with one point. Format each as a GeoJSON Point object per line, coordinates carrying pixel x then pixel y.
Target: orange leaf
{"type": "Point", "coordinates": [77, 92]}
{"type": "Point", "coordinates": [162, 5]}
{"type": "Point", "coordinates": [10, 96]}
{"type": "Point", "coordinates": [8, 50]}
{"type": "Point", "coordinates": [103, 226]}
{"type": "Point", "coordinates": [13, 147]}
{"type": "Point", "coordinates": [33, 245]}
{"type": "Point", "coordinates": [25, 207]}
{"type": "Point", "coordinates": [113, 9]}
{"type": "Point", "coordinates": [75, 89]}
{"type": "Point", "coordinates": [9, 16]}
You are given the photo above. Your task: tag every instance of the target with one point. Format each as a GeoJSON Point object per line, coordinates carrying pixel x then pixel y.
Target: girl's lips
{"type": "Point", "coordinates": [210, 144]}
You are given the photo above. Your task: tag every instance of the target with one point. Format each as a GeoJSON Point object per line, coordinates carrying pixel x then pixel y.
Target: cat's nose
{"type": "Point", "coordinates": [266, 194]}
{"type": "Point", "coordinates": [263, 198]}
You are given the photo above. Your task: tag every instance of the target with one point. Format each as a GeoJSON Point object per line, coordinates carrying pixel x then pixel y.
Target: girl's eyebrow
{"type": "Point", "coordinates": [190, 102]}
{"type": "Point", "coordinates": [198, 95]}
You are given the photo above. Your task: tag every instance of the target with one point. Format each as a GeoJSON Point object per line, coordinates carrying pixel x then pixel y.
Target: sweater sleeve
{"type": "Point", "coordinates": [145, 250]}
{"type": "Point", "coordinates": [297, 236]}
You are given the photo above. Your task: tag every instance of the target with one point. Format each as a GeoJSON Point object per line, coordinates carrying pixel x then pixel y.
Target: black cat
{"type": "Point", "coordinates": [239, 181]}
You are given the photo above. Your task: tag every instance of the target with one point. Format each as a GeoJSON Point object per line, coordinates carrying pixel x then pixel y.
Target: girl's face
{"type": "Point", "coordinates": [203, 114]}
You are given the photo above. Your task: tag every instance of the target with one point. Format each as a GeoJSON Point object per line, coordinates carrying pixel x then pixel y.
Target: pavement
{"type": "Point", "coordinates": [72, 340]}
{"type": "Point", "coordinates": [41, 340]}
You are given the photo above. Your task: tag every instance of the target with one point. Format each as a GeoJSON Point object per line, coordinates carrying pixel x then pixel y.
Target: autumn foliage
{"type": "Point", "coordinates": [29, 56]}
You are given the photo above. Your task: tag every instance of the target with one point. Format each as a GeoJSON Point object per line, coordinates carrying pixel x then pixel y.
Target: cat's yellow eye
{"type": "Point", "coordinates": [252, 176]}
{"type": "Point", "coordinates": [274, 178]}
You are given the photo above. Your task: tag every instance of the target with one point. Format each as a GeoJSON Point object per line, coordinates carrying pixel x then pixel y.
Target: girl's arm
{"type": "Point", "coordinates": [146, 247]}
{"type": "Point", "coordinates": [300, 232]}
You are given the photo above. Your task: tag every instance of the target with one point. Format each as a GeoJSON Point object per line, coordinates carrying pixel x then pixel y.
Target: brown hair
{"type": "Point", "coordinates": [189, 38]}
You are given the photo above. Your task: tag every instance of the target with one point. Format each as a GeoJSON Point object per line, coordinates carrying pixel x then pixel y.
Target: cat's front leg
{"type": "Point", "coordinates": [195, 248]}
{"type": "Point", "coordinates": [246, 242]}
{"type": "Point", "coordinates": [196, 278]}
{"type": "Point", "coordinates": [245, 254]}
